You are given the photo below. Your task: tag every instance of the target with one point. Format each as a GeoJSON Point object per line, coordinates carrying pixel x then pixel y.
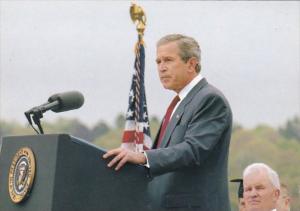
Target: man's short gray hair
{"type": "Point", "coordinates": [188, 47]}
{"type": "Point", "coordinates": [257, 167]}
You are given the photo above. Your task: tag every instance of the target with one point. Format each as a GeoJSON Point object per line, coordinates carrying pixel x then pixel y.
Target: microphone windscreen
{"type": "Point", "coordinates": [67, 101]}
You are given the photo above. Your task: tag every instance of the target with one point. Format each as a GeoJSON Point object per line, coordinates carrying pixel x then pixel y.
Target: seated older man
{"type": "Point", "coordinates": [261, 187]}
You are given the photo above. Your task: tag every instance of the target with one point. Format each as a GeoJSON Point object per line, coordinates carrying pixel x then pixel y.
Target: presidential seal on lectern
{"type": "Point", "coordinates": [21, 174]}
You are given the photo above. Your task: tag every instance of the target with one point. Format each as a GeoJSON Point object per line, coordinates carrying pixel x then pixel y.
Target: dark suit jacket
{"type": "Point", "coordinates": [190, 169]}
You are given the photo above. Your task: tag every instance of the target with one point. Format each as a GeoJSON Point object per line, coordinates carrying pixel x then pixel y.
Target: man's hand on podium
{"type": "Point", "coordinates": [122, 156]}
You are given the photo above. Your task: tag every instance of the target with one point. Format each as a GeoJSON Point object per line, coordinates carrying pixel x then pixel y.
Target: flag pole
{"type": "Point", "coordinates": [138, 17]}
{"type": "Point", "coordinates": [136, 135]}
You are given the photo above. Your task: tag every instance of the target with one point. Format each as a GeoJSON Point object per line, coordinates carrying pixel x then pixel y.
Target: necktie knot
{"type": "Point", "coordinates": [174, 102]}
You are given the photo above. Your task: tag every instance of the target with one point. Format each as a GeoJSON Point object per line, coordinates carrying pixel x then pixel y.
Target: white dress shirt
{"type": "Point", "coordinates": [184, 92]}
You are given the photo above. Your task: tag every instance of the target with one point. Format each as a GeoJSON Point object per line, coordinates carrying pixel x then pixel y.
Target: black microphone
{"type": "Point", "coordinates": [58, 103]}
{"type": "Point", "coordinates": [65, 101]}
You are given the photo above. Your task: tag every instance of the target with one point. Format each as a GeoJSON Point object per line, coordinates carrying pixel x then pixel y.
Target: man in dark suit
{"type": "Point", "coordinates": [188, 162]}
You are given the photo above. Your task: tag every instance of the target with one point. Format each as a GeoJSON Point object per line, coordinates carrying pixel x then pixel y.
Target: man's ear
{"type": "Point", "coordinates": [287, 201]}
{"type": "Point", "coordinates": [277, 194]}
{"type": "Point", "coordinates": [192, 63]}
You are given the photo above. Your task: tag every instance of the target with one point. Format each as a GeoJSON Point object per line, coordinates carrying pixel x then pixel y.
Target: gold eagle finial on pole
{"type": "Point", "coordinates": [138, 17]}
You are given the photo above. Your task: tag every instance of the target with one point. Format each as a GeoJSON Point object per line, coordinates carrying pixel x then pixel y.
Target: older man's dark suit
{"type": "Point", "coordinates": [190, 168]}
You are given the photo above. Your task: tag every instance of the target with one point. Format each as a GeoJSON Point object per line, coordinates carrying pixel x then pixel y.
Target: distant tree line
{"type": "Point", "coordinates": [71, 126]}
{"type": "Point", "coordinates": [291, 130]}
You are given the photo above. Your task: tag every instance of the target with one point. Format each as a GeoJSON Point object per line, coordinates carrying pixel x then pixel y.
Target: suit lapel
{"type": "Point", "coordinates": [179, 112]}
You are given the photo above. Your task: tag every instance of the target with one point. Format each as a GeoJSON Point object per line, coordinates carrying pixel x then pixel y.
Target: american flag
{"type": "Point", "coordinates": [136, 135]}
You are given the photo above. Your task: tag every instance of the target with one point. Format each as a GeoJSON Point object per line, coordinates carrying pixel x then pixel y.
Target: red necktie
{"type": "Point", "coordinates": [167, 119]}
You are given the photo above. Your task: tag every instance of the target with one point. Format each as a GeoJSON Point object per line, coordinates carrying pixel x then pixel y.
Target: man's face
{"type": "Point", "coordinates": [259, 193]}
{"type": "Point", "coordinates": [173, 72]}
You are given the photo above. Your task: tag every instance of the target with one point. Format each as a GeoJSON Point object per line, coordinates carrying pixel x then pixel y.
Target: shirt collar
{"type": "Point", "coordinates": [183, 93]}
